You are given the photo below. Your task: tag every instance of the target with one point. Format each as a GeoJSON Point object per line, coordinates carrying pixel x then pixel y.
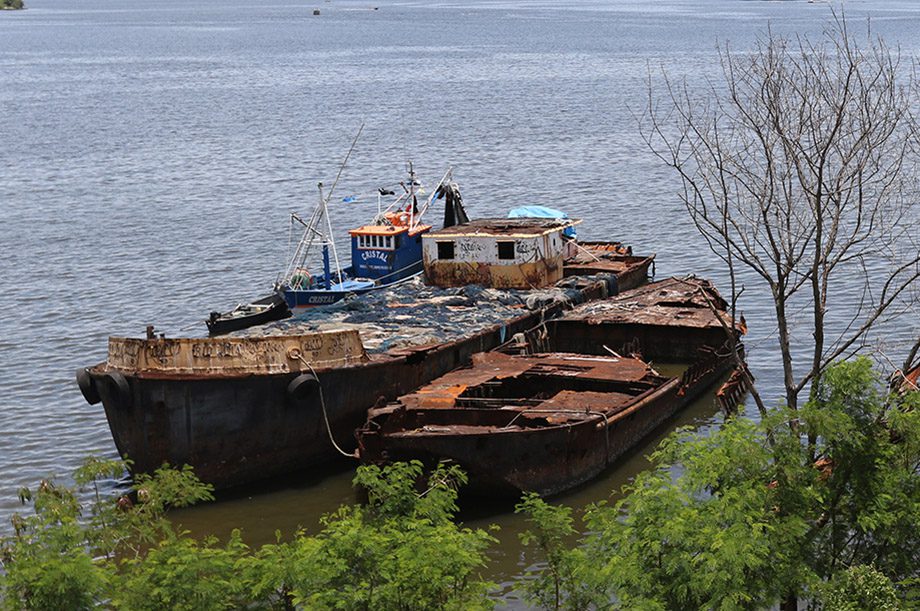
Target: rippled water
{"type": "Point", "coordinates": [151, 152]}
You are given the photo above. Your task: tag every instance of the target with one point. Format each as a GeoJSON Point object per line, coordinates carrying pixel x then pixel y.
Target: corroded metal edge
{"type": "Point", "coordinates": [236, 355]}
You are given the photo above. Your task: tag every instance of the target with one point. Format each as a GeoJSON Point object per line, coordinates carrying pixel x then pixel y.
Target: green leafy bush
{"type": "Point", "coordinates": [402, 550]}
{"type": "Point", "coordinates": [756, 512]}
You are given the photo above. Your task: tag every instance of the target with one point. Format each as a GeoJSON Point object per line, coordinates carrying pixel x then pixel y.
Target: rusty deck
{"type": "Point", "coordinates": [666, 320]}
{"type": "Point", "coordinates": [542, 422]}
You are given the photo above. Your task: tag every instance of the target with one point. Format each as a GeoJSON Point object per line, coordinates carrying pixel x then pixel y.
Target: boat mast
{"type": "Point", "coordinates": [328, 241]}
{"type": "Point", "coordinates": [310, 232]}
{"type": "Point", "coordinates": [448, 176]}
{"type": "Point", "coordinates": [413, 201]}
{"type": "Point", "coordinates": [325, 201]}
{"type": "Point", "coordinates": [312, 228]}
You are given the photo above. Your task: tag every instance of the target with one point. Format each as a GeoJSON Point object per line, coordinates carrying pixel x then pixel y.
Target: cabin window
{"type": "Point", "coordinates": [506, 250]}
{"type": "Point", "coordinates": [445, 250]}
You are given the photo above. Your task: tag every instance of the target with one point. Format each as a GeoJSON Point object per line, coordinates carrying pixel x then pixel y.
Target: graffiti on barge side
{"type": "Point", "coordinates": [238, 355]}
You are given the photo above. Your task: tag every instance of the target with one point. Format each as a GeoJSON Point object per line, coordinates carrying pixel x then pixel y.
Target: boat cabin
{"type": "Point", "coordinates": [508, 253]}
{"type": "Point", "coordinates": [389, 250]}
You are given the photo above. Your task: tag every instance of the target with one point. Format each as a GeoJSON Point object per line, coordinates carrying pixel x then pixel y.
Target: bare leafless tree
{"type": "Point", "coordinates": [800, 165]}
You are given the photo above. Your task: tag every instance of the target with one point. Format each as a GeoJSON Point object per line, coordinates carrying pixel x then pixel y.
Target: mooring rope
{"type": "Point", "coordinates": [322, 402]}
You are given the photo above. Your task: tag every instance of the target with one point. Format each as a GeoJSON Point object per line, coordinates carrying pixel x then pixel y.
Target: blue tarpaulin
{"type": "Point", "coordinates": [541, 212]}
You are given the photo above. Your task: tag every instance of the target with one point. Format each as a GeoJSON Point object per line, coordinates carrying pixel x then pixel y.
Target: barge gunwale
{"type": "Point", "coordinates": [395, 355]}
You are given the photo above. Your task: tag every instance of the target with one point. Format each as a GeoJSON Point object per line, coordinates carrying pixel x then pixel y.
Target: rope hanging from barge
{"type": "Point", "coordinates": [322, 402]}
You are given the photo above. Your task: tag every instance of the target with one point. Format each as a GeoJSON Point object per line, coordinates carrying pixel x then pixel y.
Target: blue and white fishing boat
{"type": "Point", "coordinates": [384, 252]}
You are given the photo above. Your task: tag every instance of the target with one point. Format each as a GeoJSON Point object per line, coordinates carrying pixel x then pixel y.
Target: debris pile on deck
{"type": "Point", "coordinates": [412, 314]}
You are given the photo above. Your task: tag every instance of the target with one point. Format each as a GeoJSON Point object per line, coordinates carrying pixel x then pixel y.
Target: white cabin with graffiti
{"type": "Point", "coordinates": [518, 253]}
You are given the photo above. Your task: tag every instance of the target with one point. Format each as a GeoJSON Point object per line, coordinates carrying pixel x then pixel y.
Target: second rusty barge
{"type": "Point", "coordinates": [566, 407]}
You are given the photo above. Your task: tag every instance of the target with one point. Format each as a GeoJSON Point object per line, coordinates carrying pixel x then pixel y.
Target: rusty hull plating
{"type": "Point", "coordinates": [549, 421]}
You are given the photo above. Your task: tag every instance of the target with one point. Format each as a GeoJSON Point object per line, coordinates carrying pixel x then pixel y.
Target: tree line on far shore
{"type": "Point", "coordinates": [11, 4]}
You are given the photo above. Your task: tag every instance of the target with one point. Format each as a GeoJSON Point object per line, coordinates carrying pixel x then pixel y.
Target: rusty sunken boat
{"type": "Point", "coordinates": [567, 405]}
{"type": "Point", "coordinates": [286, 396]}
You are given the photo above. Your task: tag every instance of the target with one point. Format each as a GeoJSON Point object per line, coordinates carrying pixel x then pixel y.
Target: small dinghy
{"type": "Point", "coordinates": [268, 308]}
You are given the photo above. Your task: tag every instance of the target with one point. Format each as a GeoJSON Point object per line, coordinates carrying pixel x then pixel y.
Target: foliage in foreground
{"type": "Point", "coordinates": [402, 550]}
{"type": "Point", "coordinates": [755, 514]}
{"type": "Point", "coordinates": [738, 519]}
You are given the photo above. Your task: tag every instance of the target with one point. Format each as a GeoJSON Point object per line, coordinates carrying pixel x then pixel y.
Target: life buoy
{"type": "Point", "coordinates": [87, 386]}
{"type": "Point", "coordinates": [119, 388]}
{"type": "Point", "coordinates": [302, 386]}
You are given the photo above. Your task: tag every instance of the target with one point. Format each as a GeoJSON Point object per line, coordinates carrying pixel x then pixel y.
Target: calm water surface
{"type": "Point", "coordinates": [151, 153]}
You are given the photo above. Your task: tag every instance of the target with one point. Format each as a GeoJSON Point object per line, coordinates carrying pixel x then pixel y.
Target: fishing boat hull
{"type": "Point", "coordinates": [302, 299]}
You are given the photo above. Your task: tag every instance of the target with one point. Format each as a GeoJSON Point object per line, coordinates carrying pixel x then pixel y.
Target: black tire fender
{"type": "Point", "coordinates": [88, 386]}
{"type": "Point", "coordinates": [302, 386]}
{"type": "Point", "coordinates": [120, 389]}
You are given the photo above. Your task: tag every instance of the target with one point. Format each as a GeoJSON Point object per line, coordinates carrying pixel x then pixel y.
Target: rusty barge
{"type": "Point", "coordinates": [287, 396]}
{"type": "Point", "coordinates": [567, 405]}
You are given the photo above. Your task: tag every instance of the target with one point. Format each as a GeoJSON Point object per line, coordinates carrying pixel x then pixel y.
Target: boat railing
{"type": "Point", "coordinates": [709, 361]}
